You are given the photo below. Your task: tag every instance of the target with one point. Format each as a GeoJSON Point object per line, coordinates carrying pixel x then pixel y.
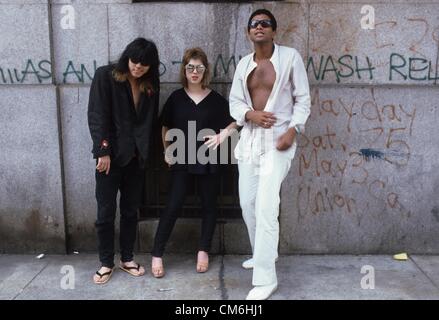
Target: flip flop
{"type": "Point", "coordinates": [129, 270]}
{"type": "Point", "coordinates": [109, 273]}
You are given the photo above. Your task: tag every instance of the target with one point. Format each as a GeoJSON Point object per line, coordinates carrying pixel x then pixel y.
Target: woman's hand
{"type": "Point", "coordinates": [215, 140]}
{"type": "Point", "coordinates": [104, 164]}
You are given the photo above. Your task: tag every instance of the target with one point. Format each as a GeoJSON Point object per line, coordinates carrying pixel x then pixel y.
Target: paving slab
{"type": "Point", "coordinates": [17, 271]}
{"type": "Point", "coordinates": [309, 277]}
{"type": "Point", "coordinates": [429, 265]}
{"type": "Point", "coordinates": [181, 282]}
{"type": "Point", "coordinates": [301, 277]}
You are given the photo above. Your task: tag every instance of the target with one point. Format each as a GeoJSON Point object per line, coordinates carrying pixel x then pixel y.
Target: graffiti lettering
{"type": "Point", "coordinates": [327, 64]}
{"type": "Point", "coordinates": [328, 159]}
{"type": "Point", "coordinates": [399, 66]}
{"type": "Point", "coordinates": [42, 72]}
{"type": "Point", "coordinates": [70, 70]}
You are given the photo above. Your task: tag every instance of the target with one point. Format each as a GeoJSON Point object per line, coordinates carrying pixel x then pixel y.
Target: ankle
{"type": "Point", "coordinates": [104, 268]}
{"type": "Point", "coordinates": [157, 260]}
{"type": "Point", "coordinates": [203, 253]}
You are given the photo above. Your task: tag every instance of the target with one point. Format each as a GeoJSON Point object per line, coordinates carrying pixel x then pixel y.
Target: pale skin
{"type": "Point", "coordinates": [261, 80]}
{"type": "Point", "coordinates": [104, 163]}
{"type": "Point", "coordinates": [197, 93]}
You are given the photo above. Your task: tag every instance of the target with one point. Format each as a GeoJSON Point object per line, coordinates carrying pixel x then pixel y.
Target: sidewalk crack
{"type": "Point", "coordinates": [425, 274]}
{"type": "Point", "coordinates": [224, 294]}
{"type": "Point", "coordinates": [21, 291]}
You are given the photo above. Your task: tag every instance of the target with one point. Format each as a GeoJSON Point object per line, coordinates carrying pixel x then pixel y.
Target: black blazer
{"type": "Point", "coordinates": [116, 128]}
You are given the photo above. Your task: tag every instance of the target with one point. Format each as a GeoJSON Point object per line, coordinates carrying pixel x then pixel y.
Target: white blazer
{"type": "Point", "coordinates": [289, 101]}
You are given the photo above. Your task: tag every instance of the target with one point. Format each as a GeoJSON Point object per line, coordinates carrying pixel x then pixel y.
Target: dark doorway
{"type": "Point", "coordinates": [157, 185]}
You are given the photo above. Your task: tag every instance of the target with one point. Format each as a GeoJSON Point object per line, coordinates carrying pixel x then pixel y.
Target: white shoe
{"type": "Point", "coordinates": [261, 292]}
{"type": "Point", "coordinates": [250, 263]}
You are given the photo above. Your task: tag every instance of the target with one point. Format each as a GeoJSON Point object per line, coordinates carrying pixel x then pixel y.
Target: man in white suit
{"type": "Point", "coordinates": [270, 99]}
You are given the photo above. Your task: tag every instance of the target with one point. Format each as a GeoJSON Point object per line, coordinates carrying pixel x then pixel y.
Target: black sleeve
{"type": "Point", "coordinates": [99, 113]}
{"type": "Point", "coordinates": [224, 118]}
{"type": "Point", "coordinates": [155, 118]}
{"type": "Point", "coordinates": [166, 117]}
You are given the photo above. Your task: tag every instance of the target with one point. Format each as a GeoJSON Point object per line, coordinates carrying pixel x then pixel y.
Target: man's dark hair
{"type": "Point", "coordinates": [143, 51]}
{"type": "Point", "coordinates": [267, 13]}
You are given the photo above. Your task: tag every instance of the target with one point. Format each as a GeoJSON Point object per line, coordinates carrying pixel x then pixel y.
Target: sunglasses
{"type": "Point", "coordinates": [135, 61]}
{"type": "Point", "coordinates": [190, 68]}
{"type": "Point", "coordinates": [264, 23]}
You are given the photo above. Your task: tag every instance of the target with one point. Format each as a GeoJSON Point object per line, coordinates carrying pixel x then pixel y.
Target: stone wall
{"type": "Point", "coordinates": [364, 178]}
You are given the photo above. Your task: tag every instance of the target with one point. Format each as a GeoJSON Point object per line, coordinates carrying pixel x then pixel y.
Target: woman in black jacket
{"type": "Point", "coordinates": [122, 110]}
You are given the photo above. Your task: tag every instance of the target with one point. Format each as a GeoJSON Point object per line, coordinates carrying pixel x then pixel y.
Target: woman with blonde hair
{"type": "Point", "coordinates": [193, 108]}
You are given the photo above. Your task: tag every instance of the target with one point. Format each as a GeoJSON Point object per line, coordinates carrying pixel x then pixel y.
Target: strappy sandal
{"type": "Point", "coordinates": [130, 269]}
{"type": "Point", "coordinates": [101, 275]}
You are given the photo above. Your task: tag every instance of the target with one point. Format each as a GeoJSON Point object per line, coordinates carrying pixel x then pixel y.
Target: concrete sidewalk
{"type": "Point", "coordinates": [300, 277]}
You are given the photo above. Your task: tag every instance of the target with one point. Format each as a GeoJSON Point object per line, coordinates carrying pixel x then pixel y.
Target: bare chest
{"type": "Point", "coordinates": [262, 77]}
{"type": "Point", "coordinates": [260, 84]}
{"type": "Point", "coordinates": [135, 91]}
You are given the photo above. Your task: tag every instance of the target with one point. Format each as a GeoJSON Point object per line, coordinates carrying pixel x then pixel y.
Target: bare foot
{"type": "Point", "coordinates": [102, 275]}
{"type": "Point", "coordinates": [157, 269]}
{"type": "Point", "coordinates": [202, 261]}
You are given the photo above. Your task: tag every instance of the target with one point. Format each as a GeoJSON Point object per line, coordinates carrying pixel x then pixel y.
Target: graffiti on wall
{"type": "Point", "coordinates": [72, 72]}
{"type": "Point", "coordinates": [320, 68]}
{"type": "Point", "coordinates": [41, 71]}
{"type": "Point", "coordinates": [391, 49]}
{"type": "Point", "coordinates": [385, 131]}
{"type": "Point", "coordinates": [347, 66]}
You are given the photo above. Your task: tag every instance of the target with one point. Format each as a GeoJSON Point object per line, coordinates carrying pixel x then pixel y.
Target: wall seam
{"type": "Point", "coordinates": [59, 123]}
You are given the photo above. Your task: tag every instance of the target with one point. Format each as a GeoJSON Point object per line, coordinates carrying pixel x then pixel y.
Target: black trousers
{"type": "Point", "coordinates": [208, 188]}
{"type": "Point", "coordinates": [129, 181]}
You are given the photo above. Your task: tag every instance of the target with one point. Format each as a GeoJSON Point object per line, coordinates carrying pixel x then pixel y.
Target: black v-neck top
{"type": "Point", "coordinates": [180, 111]}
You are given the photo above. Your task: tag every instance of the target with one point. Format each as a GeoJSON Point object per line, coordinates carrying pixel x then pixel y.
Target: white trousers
{"type": "Point", "coordinates": [259, 194]}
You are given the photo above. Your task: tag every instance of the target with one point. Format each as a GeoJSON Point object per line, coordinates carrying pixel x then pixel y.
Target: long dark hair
{"type": "Point", "coordinates": [145, 52]}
